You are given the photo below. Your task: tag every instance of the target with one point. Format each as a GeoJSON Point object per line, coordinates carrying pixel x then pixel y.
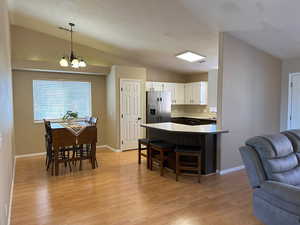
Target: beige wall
{"type": "Point", "coordinates": [113, 114]}
{"type": "Point", "coordinates": [39, 49]}
{"type": "Point", "coordinates": [111, 110]}
{"type": "Point", "coordinates": [196, 77]}
{"type": "Point", "coordinates": [6, 115]}
{"type": "Point", "coordinates": [164, 76]}
{"type": "Point", "coordinates": [35, 46]}
{"type": "Point", "coordinates": [29, 135]}
{"type": "Point", "coordinates": [288, 66]}
{"type": "Point", "coordinates": [250, 96]}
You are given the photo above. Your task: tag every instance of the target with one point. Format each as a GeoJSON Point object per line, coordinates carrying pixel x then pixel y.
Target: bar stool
{"type": "Point", "coordinates": [145, 142]}
{"type": "Point", "coordinates": [188, 166]}
{"type": "Point", "coordinates": [162, 148]}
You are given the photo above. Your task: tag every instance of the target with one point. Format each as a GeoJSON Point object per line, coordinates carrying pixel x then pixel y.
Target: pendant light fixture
{"type": "Point", "coordinates": [71, 60]}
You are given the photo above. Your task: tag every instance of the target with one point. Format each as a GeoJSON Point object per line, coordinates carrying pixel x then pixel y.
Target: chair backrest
{"type": "Point", "coordinates": [93, 120]}
{"type": "Point", "coordinates": [278, 159]}
{"type": "Point", "coordinates": [88, 136]}
{"type": "Point", "coordinates": [47, 125]}
{"type": "Point", "coordinates": [87, 119]}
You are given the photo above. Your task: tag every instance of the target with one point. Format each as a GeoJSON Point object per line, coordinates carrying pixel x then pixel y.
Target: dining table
{"type": "Point", "coordinates": [73, 134]}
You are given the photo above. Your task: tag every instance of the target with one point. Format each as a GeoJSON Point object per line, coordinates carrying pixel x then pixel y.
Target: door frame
{"type": "Point", "coordinates": [121, 105]}
{"type": "Point", "coordinates": [289, 111]}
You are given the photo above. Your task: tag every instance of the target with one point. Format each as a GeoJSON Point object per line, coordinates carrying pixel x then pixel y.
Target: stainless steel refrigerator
{"type": "Point", "coordinates": [158, 106]}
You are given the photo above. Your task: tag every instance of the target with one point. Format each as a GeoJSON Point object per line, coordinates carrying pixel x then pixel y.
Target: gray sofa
{"type": "Point", "coordinates": [273, 167]}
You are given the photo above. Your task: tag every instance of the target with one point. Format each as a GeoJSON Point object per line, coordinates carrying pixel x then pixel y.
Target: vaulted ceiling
{"type": "Point", "coordinates": [152, 32]}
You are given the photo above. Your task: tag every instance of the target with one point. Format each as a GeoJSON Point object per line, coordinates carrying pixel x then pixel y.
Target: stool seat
{"type": "Point", "coordinates": [147, 141]}
{"type": "Point", "coordinates": [144, 141]}
{"type": "Point", "coordinates": [162, 145]}
{"type": "Point", "coordinates": [187, 149]}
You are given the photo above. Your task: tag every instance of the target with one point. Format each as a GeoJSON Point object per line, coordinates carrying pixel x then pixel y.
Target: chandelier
{"type": "Point", "coordinates": [71, 59]}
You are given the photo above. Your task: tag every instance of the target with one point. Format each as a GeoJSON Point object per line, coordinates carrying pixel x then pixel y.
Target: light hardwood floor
{"type": "Point", "coordinates": [121, 192]}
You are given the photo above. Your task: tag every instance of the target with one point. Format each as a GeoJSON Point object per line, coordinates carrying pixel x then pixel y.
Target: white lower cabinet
{"type": "Point", "coordinates": [188, 94]}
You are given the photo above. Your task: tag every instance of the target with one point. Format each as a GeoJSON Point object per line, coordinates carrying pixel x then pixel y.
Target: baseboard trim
{"type": "Point", "coordinates": [44, 153]}
{"type": "Point", "coordinates": [230, 170]}
{"type": "Point", "coordinates": [110, 148]}
{"type": "Point", "coordinates": [101, 146]}
{"type": "Point", "coordinates": [11, 193]}
{"type": "Point", "coordinates": [30, 155]}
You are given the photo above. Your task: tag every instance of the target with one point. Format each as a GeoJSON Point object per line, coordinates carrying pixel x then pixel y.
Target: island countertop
{"type": "Point", "coordinates": [181, 128]}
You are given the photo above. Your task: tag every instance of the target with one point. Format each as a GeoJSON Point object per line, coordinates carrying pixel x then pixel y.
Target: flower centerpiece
{"type": "Point", "coordinates": [70, 116]}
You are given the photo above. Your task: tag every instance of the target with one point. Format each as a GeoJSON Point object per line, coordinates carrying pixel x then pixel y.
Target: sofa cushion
{"type": "Point", "coordinates": [294, 137]}
{"type": "Point", "coordinates": [278, 158]}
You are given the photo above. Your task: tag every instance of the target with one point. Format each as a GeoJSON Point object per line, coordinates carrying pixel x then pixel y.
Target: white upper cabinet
{"type": "Point", "coordinates": [155, 86]}
{"type": "Point", "coordinates": [190, 93]}
{"type": "Point", "coordinates": [196, 93]}
{"type": "Point", "coordinates": [171, 87]}
{"type": "Point", "coordinates": [179, 94]}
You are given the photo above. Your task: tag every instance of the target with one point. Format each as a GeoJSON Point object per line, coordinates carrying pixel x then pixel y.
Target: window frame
{"type": "Point", "coordinates": [62, 80]}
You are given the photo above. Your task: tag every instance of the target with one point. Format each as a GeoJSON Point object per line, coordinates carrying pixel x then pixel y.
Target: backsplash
{"type": "Point", "coordinates": [191, 110]}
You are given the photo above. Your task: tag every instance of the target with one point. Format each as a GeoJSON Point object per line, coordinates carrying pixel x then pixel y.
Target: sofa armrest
{"type": "Point", "coordinates": [284, 192]}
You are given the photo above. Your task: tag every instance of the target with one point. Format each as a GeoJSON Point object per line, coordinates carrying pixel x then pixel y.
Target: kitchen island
{"type": "Point", "coordinates": [203, 136]}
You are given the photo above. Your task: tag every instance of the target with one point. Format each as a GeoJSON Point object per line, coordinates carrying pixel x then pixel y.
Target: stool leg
{"type": "Point", "coordinates": [161, 163]}
{"type": "Point", "coordinates": [150, 158]}
{"type": "Point", "coordinates": [177, 165]}
{"type": "Point", "coordinates": [147, 156]}
{"type": "Point", "coordinates": [199, 167]}
{"type": "Point", "coordinates": [139, 152]}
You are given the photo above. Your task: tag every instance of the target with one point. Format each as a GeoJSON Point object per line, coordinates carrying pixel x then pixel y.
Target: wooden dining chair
{"type": "Point", "coordinates": [86, 148]}
{"type": "Point", "coordinates": [63, 151]}
{"type": "Point", "coordinates": [48, 143]}
{"type": "Point", "coordinates": [87, 119]}
{"type": "Point", "coordinates": [93, 120]}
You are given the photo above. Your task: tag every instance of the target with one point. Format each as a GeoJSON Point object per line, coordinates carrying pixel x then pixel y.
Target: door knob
{"type": "Point", "coordinates": [139, 118]}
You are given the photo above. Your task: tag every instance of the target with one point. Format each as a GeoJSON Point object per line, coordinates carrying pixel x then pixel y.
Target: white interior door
{"type": "Point", "coordinates": [295, 102]}
{"type": "Point", "coordinates": [130, 109]}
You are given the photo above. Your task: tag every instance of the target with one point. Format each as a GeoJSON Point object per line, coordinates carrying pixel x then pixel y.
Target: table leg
{"type": "Point", "coordinates": [56, 161]}
{"type": "Point", "coordinates": [94, 155]}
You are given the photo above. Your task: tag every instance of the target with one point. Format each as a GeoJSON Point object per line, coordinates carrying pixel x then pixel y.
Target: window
{"type": "Point", "coordinates": [53, 98]}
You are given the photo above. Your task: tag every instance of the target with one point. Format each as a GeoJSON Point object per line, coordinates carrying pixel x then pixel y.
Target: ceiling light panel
{"type": "Point", "coordinates": [190, 56]}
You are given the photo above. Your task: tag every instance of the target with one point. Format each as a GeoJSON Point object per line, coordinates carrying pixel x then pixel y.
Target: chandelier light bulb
{"type": "Point", "coordinates": [82, 63]}
{"type": "Point", "coordinates": [63, 62]}
{"type": "Point", "coordinates": [75, 63]}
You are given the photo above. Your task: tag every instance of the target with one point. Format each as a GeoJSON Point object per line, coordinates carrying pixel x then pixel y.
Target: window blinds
{"type": "Point", "coordinates": [53, 98]}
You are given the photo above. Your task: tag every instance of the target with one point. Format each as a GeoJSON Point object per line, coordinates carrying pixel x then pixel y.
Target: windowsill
{"type": "Point", "coordinates": [57, 121]}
